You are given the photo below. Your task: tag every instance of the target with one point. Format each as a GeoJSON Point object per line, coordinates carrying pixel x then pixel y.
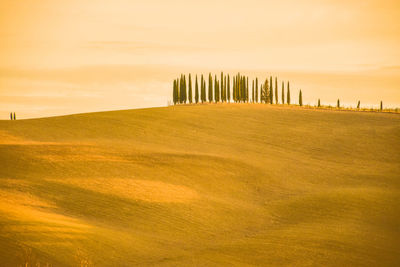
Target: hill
{"type": "Point", "coordinates": [226, 184]}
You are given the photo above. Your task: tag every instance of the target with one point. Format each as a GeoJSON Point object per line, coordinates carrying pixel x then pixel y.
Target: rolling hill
{"type": "Point", "coordinates": [206, 185]}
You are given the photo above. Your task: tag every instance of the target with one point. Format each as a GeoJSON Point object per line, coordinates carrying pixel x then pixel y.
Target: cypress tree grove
{"type": "Point", "coordinates": [358, 104]}
{"type": "Point", "coordinates": [300, 99]}
{"type": "Point", "coordinates": [288, 93]}
{"type": "Point", "coordinates": [283, 93]}
{"type": "Point", "coordinates": [319, 102]}
{"type": "Point", "coordinates": [190, 89]}
{"type": "Point", "coordinates": [276, 90]}
{"type": "Point", "coordinates": [196, 93]}
{"type": "Point", "coordinates": [228, 89]}
{"type": "Point", "coordinates": [271, 91]}
{"type": "Point", "coordinates": [256, 90]}
{"type": "Point", "coordinates": [210, 88]}
{"type": "Point", "coordinates": [338, 103]}
{"type": "Point", "coordinates": [381, 105]}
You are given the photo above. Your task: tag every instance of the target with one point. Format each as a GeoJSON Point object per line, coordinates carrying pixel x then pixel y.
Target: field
{"type": "Point", "coordinates": [205, 185]}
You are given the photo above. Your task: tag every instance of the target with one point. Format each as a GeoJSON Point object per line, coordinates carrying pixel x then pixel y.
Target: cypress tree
{"type": "Point", "coordinates": [381, 105]}
{"type": "Point", "coordinates": [256, 89]}
{"type": "Point", "coordinates": [178, 89]}
{"type": "Point", "coordinates": [219, 90]}
{"type": "Point", "coordinates": [196, 93]}
{"type": "Point", "coordinates": [216, 93]}
{"type": "Point", "coordinates": [276, 90]}
{"type": "Point", "coordinates": [265, 92]}
{"type": "Point", "coordinates": [300, 99]}
{"type": "Point", "coordinates": [225, 92]}
{"type": "Point", "coordinates": [338, 103]}
{"type": "Point", "coordinates": [174, 93]}
{"type": "Point", "coordinates": [14, 116]}
{"type": "Point", "coordinates": [246, 93]}
{"type": "Point", "coordinates": [181, 89]}
{"type": "Point", "coordinates": [11, 117]}
{"type": "Point", "coordinates": [247, 89]}
{"type": "Point", "coordinates": [185, 87]}
{"type": "Point", "coordinates": [243, 88]}
{"type": "Point", "coordinates": [228, 89]}
{"type": "Point", "coordinates": [319, 102]}
{"type": "Point", "coordinates": [202, 88]}
{"type": "Point", "coordinates": [222, 86]}
{"type": "Point", "coordinates": [283, 93]}
{"type": "Point", "coordinates": [288, 93]}
{"type": "Point", "coordinates": [234, 89]}
{"type": "Point", "coordinates": [271, 91]}
{"type": "Point", "coordinates": [252, 95]}
{"type": "Point", "coordinates": [205, 95]}
{"type": "Point", "coordinates": [210, 88]}
{"type": "Point", "coordinates": [358, 104]}
{"type": "Point", "coordinates": [190, 89]}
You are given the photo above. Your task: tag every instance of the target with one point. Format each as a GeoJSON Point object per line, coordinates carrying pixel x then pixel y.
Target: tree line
{"type": "Point", "coordinates": [219, 90]}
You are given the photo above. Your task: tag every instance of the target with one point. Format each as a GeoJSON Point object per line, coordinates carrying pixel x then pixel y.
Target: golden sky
{"type": "Point", "coordinates": [64, 56]}
{"type": "Point", "coordinates": [297, 34]}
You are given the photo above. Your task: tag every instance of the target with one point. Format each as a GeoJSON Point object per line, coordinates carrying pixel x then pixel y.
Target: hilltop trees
{"type": "Point", "coordinates": [219, 89]}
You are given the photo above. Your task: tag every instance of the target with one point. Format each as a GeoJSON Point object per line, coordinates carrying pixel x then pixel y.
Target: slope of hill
{"type": "Point", "coordinates": [226, 184]}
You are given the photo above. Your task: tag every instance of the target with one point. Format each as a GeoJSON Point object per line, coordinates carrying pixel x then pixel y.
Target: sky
{"type": "Point", "coordinates": [69, 56]}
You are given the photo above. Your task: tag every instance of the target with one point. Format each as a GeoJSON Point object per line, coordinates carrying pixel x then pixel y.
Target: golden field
{"type": "Point", "coordinates": [202, 185]}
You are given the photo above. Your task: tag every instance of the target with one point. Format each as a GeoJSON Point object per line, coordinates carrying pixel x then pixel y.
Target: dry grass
{"type": "Point", "coordinates": [225, 184]}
